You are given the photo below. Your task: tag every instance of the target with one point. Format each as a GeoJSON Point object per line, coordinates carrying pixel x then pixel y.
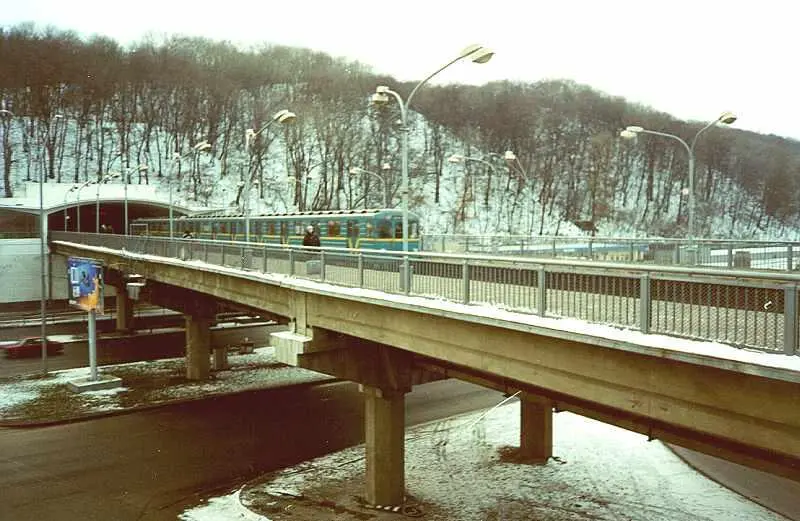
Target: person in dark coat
{"type": "Point", "coordinates": [310, 238]}
{"type": "Point", "coordinates": [187, 234]}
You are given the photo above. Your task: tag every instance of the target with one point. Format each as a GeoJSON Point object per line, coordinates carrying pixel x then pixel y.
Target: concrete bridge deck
{"type": "Point", "coordinates": [743, 412]}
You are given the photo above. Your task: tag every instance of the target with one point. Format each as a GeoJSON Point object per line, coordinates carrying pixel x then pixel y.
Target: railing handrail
{"type": "Point", "coordinates": [570, 266]}
{"type": "Point", "coordinates": [744, 308]}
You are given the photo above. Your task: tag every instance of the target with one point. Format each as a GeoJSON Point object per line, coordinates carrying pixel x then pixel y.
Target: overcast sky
{"type": "Point", "coordinates": [691, 58]}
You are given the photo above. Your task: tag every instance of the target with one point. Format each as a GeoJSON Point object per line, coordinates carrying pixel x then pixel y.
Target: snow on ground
{"type": "Point", "coordinates": [246, 371]}
{"type": "Point", "coordinates": [453, 469]}
{"type": "Point", "coordinates": [19, 390]}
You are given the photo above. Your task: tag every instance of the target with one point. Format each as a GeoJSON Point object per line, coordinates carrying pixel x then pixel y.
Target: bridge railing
{"type": "Point", "coordinates": [744, 308]}
{"type": "Point", "coordinates": [767, 255]}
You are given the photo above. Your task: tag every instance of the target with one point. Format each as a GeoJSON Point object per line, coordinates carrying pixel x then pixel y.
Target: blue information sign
{"type": "Point", "coordinates": [85, 277]}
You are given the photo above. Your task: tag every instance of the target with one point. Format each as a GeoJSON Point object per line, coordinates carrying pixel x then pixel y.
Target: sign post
{"type": "Point", "coordinates": [86, 291]}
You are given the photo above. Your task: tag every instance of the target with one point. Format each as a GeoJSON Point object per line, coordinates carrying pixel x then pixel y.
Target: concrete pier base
{"type": "Point", "coordinates": [385, 446]}
{"type": "Point", "coordinates": [124, 311]}
{"type": "Point", "coordinates": [219, 358]}
{"type": "Point", "coordinates": [198, 346]}
{"type": "Point", "coordinates": [536, 428]}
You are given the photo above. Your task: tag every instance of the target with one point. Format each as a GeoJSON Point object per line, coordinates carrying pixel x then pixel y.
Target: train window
{"type": "Point", "coordinates": [223, 227]}
{"type": "Point", "coordinates": [384, 230]}
{"type": "Point", "coordinates": [271, 228]}
{"type": "Point", "coordinates": [298, 229]}
{"type": "Point", "coordinates": [413, 230]}
{"type": "Point", "coordinates": [353, 229]}
{"type": "Point", "coordinates": [334, 228]}
{"type": "Point", "coordinates": [398, 229]}
{"type": "Point", "coordinates": [205, 227]}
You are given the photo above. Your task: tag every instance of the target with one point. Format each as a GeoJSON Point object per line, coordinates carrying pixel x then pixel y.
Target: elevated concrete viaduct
{"type": "Point", "coordinates": [738, 411]}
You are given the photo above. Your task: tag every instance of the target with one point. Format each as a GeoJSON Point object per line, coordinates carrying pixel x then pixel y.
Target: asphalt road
{"type": "Point", "coordinates": [779, 494]}
{"type": "Point", "coordinates": [150, 465]}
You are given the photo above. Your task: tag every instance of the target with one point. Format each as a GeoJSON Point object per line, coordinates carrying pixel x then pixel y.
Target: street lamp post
{"type": "Point", "coordinates": [140, 168]}
{"type": "Point", "coordinates": [726, 118]}
{"type": "Point", "coordinates": [384, 185]}
{"type": "Point", "coordinates": [176, 159]}
{"type": "Point", "coordinates": [78, 201]}
{"type": "Point", "coordinates": [104, 180]}
{"type": "Point", "coordinates": [458, 158]}
{"type": "Point", "coordinates": [66, 194]}
{"type": "Point", "coordinates": [511, 159]}
{"type": "Point", "coordinates": [42, 251]}
{"type": "Point", "coordinates": [477, 54]}
{"type": "Point", "coordinates": [283, 116]}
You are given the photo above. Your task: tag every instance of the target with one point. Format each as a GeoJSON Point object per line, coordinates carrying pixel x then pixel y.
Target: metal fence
{"type": "Point", "coordinates": [766, 255]}
{"type": "Point", "coordinates": [744, 308]}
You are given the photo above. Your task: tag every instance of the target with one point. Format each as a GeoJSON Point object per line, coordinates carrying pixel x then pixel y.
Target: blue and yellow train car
{"type": "Point", "coordinates": [380, 229]}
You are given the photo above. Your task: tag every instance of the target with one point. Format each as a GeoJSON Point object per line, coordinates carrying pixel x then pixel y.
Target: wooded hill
{"type": "Point", "coordinates": [82, 107]}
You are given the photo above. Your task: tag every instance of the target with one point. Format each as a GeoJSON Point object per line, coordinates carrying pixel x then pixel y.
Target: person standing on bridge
{"type": "Point", "coordinates": [310, 238]}
{"type": "Point", "coordinates": [187, 234]}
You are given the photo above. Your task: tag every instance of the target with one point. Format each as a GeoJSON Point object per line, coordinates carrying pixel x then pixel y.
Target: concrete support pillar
{"type": "Point", "coordinates": [536, 428]}
{"type": "Point", "coordinates": [385, 446]}
{"type": "Point", "coordinates": [124, 310]}
{"type": "Point", "coordinates": [198, 345]}
{"type": "Point", "coordinates": [219, 358]}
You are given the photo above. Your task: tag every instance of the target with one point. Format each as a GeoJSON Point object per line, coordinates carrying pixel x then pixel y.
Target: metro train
{"type": "Point", "coordinates": [377, 229]}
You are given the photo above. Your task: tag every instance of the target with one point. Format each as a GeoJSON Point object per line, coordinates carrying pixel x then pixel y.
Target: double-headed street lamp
{"type": "Point", "coordinates": [358, 171]}
{"type": "Point", "coordinates": [140, 168]}
{"type": "Point", "coordinates": [176, 159]}
{"type": "Point", "coordinates": [725, 118]}
{"type": "Point", "coordinates": [78, 201]}
{"type": "Point", "coordinates": [477, 54]}
{"type": "Point", "coordinates": [73, 188]}
{"type": "Point", "coordinates": [104, 180]}
{"type": "Point", "coordinates": [282, 116]}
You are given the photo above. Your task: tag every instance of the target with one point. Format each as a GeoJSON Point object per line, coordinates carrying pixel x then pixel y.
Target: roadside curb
{"type": "Point", "coordinates": [32, 424]}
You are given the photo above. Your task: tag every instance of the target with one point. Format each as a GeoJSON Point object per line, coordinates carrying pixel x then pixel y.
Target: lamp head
{"type": "Point", "coordinates": [477, 53]}
{"type": "Point", "coordinates": [382, 89]}
{"type": "Point", "coordinates": [284, 116]}
{"type": "Point", "coordinates": [727, 118]}
{"type": "Point", "coordinates": [386, 166]}
{"type": "Point", "coordinates": [203, 145]}
{"type": "Point", "coordinates": [379, 98]}
{"type": "Point", "coordinates": [634, 128]}
{"type": "Point", "coordinates": [455, 158]}
{"type": "Point", "coordinates": [355, 170]}
{"type": "Point", "coordinates": [509, 155]}
{"type": "Point", "coordinates": [628, 134]}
